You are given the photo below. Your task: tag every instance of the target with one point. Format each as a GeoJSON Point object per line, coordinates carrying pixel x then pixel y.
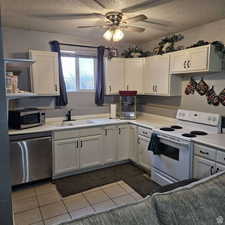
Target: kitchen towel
{"type": "Point", "coordinates": [155, 145]}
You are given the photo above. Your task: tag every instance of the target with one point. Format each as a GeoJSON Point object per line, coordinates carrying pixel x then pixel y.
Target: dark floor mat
{"type": "Point", "coordinates": [132, 175]}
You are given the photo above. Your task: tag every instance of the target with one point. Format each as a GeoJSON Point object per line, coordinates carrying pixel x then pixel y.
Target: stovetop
{"type": "Point", "coordinates": [190, 125]}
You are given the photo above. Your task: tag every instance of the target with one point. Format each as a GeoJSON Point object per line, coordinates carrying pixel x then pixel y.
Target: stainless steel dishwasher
{"type": "Point", "coordinates": [31, 157]}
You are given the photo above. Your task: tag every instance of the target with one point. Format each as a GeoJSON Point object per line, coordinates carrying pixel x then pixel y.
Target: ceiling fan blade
{"type": "Point", "coordinates": [98, 2]}
{"type": "Point", "coordinates": [88, 27]}
{"type": "Point", "coordinates": [133, 28]}
{"type": "Point", "coordinates": [145, 5]}
{"type": "Point", "coordinates": [71, 16]}
{"type": "Point", "coordinates": [138, 18]}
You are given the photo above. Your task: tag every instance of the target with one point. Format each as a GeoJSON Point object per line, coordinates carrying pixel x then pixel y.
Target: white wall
{"type": "Point", "coordinates": [208, 32]}
{"type": "Point", "coordinates": [16, 44]}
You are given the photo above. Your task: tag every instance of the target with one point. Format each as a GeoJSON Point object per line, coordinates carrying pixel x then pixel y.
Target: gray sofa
{"type": "Point", "coordinates": [200, 203]}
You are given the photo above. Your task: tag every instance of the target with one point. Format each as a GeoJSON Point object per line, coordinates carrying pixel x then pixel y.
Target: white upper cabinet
{"type": "Point", "coordinates": [114, 75]}
{"type": "Point", "coordinates": [199, 59]}
{"type": "Point", "coordinates": [157, 79]}
{"type": "Point", "coordinates": [44, 73]}
{"type": "Point", "coordinates": [134, 69]}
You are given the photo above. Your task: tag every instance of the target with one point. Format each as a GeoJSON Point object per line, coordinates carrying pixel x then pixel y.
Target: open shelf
{"type": "Point", "coordinates": [20, 95]}
{"type": "Point", "coordinates": [15, 64]}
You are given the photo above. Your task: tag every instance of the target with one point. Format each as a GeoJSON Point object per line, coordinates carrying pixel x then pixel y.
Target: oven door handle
{"type": "Point", "coordinates": [173, 141]}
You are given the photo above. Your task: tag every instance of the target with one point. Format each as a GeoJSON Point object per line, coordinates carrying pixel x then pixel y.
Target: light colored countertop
{"type": "Point", "coordinates": [213, 140]}
{"type": "Point", "coordinates": [54, 124]}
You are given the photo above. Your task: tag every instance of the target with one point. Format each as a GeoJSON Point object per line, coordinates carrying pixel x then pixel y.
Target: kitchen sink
{"type": "Point", "coordinates": [74, 123]}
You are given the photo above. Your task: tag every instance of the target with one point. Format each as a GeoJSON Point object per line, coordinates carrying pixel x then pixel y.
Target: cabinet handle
{"type": "Point", "coordinates": [217, 170]}
{"type": "Point", "coordinates": [211, 170]}
{"type": "Point", "coordinates": [77, 144]}
{"type": "Point", "coordinates": [127, 87]}
{"type": "Point", "coordinates": [155, 88]}
{"type": "Point", "coordinates": [138, 140]}
{"type": "Point", "coordinates": [185, 64]}
{"type": "Point", "coordinates": [188, 64]}
{"type": "Point", "coordinates": [119, 131]}
{"type": "Point", "coordinates": [106, 132]}
{"type": "Point", "coordinates": [56, 87]}
{"type": "Point", "coordinates": [110, 89]}
{"type": "Point", "coordinates": [204, 153]}
{"type": "Point", "coordinates": [81, 144]}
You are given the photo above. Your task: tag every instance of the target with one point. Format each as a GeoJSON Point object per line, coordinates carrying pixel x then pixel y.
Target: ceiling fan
{"type": "Point", "coordinates": [115, 22]}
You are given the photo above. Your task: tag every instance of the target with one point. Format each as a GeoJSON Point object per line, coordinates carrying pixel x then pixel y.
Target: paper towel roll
{"type": "Point", "coordinates": [113, 111]}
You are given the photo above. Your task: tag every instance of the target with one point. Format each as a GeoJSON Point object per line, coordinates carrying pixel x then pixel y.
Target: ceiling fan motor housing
{"type": "Point", "coordinates": [114, 17]}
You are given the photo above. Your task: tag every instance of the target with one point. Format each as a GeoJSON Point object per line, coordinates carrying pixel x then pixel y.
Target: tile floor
{"type": "Point", "coordinates": [43, 205]}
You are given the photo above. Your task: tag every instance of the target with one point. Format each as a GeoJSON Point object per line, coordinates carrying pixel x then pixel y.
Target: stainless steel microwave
{"type": "Point", "coordinates": [26, 118]}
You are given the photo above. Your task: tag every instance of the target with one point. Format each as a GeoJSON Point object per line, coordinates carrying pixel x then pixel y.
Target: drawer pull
{"type": "Point", "coordinates": [205, 153]}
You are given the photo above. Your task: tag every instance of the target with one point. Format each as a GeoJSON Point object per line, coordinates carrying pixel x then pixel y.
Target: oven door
{"type": "Point", "coordinates": [30, 119]}
{"type": "Point", "coordinates": [175, 158]}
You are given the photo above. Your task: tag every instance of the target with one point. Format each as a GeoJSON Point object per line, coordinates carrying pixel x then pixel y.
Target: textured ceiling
{"type": "Point", "coordinates": [177, 15]}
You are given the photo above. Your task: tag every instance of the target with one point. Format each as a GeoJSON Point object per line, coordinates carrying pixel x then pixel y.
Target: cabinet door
{"type": "Point", "coordinates": [90, 151]}
{"type": "Point", "coordinates": [219, 168]}
{"type": "Point", "coordinates": [123, 142]}
{"type": "Point", "coordinates": [133, 144]}
{"type": "Point", "coordinates": [134, 74]}
{"type": "Point", "coordinates": [203, 167]}
{"type": "Point", "coordinates": [145, 156]}
{"type": "Point", "coordinates": [198, 59]}
{"type": "Point", "coordinates": [45, 73]}
{"type": "Point", "coordinates": [179, 62]}
{"type": "Point", "coordinates": [65, 156]}
{"type": "Point", "coordinates": [114, 75]}
{"type": "Point", "coordinates": [149, 76]}
{"type": "Point", "coordinates": [159, 66]}
{"type": "Point", "coordinates": [109, 140]}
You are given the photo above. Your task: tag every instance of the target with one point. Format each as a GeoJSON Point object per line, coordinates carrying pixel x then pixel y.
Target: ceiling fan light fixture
{"type": "Point", "coordinates": [118, 35]}
{"type": "Point", "coordinates": [114, 35]}
{"type": "Point", "coordinates": [108, 35]}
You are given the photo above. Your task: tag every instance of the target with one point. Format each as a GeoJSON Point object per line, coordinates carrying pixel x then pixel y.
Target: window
{"type": "Point", "coordinates": [79, 72]}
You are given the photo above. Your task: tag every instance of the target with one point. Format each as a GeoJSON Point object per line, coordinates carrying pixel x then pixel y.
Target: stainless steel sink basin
{"type": "Point", "coordinates": [74, 123]}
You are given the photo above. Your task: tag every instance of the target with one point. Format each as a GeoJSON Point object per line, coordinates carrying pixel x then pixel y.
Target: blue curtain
{"type": "Point", "coordinates": [62, 99]}
{"type": "Point", "coordinates": [100, 79]}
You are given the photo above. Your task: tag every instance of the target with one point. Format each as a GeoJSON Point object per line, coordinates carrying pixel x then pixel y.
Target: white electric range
{"type": "Point", "coordinates": [174, 163]}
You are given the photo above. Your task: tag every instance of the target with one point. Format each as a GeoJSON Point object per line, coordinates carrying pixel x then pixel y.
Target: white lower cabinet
{"type": "Point", "coordinates": [90, 151]}
{"type": "Point", "coordinates": [144, 155]}
{"type": "Point", "coordinates": [203, 167]}
{"type": "Point", "coordinates": [207, 161]}
{"type": "Point", "coordinates": [109, 143]}
{"type": "Point", "coordinates": [123, 142]}
{"type": "Point", "coordinates": [133, 144]}
{"type": "Point", "coordinates": [65, 155]}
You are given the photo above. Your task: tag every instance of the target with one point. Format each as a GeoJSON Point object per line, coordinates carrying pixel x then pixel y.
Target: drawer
{"type": "Point", "coordinates": [145, 132]}
{"type": "Point", "coordinates": [206, 152]}
{"type": "Point", "coordinates": [65, 134]}
{"type": "Point", "coordinates": [90, 131]}
{"type": "Point", "coordinates": [220, 157]}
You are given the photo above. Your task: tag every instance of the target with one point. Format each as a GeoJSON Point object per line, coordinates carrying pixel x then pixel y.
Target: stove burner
{"type": "Point", "coordinates": [198, 132]}
{"type": "Point", "coordinates": [176, 127]}
{"type": "Point", "coordinates": [167, 129]}
{"type": "Point", "coordinates": [189, 135]}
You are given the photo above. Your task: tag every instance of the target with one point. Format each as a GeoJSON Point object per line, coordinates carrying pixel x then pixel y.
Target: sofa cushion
{"type": "Point", "coordinates": [200, 203]}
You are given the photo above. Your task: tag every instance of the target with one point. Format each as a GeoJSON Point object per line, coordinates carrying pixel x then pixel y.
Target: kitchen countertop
{"type": "Point", "coordinates": [146, 120]}
{"type": "Point", "coordinates": [213, 140]}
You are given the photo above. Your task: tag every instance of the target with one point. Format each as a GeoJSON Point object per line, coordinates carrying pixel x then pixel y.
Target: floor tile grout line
{"type": "Point", "coordinates": [87, 201]}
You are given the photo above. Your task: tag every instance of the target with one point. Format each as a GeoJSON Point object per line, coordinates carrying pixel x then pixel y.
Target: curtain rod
{"type": "Point", "coordinates": [83, 46]}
